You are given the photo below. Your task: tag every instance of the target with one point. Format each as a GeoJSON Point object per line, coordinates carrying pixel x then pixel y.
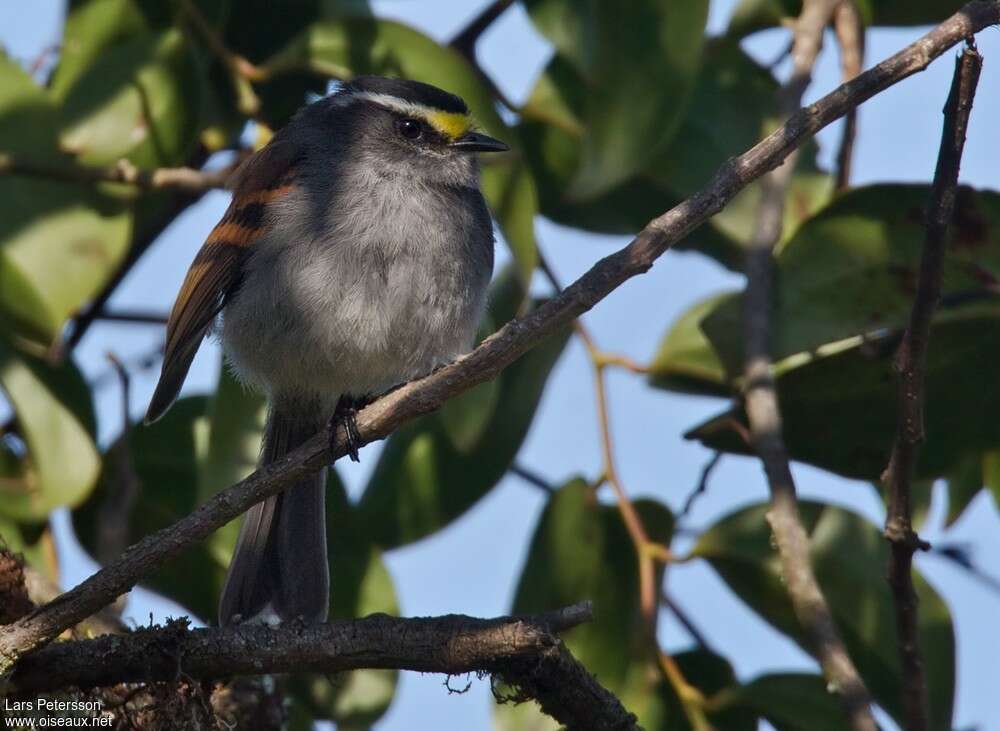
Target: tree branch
{"type": "Point", "coordinates": [524, 651]}
{"type": "Point", "coordinates": [386, 414]}
{"type": "Point", "coordinates": [850, 31]}
{"type": "Point", "coordinates": [910, 365]}
{"type": "Point", "coordinates": [790, 538]}
{"type": "Point", "coordinates": [182, 180]}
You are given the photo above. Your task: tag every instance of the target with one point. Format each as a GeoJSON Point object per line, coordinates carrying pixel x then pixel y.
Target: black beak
{"type": "Point", "coordinates": [476, 142]}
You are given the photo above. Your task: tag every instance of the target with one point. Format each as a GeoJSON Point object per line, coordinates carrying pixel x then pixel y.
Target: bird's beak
{"type": "Point", "coordinates": [476, 142]}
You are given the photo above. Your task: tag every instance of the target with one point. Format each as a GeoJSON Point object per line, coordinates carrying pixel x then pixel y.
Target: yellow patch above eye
{"type": "Point", "coordinates": [451, 124]}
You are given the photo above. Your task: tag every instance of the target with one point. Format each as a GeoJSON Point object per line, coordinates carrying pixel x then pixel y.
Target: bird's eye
{"type": "Point", "coordinates": [411, 129]}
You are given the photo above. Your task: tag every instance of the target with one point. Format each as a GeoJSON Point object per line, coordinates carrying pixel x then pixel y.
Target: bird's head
{"type": "Point", "coordinates": [405, 127]}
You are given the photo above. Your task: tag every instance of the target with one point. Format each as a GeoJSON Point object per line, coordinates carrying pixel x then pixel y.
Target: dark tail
{"type": "Point", "coordinates": [280, 557]}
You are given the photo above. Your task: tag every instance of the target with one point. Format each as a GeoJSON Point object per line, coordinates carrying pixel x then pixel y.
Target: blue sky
{"type": "Point", "coordinates": [484, 551]}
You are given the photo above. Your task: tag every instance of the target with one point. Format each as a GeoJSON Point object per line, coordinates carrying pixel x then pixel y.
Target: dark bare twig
{"type": "Point", "coordinates": [690, 627]}
{"type": "Point", "coordinates": [532, 478]}
{"type": "Point", "coordinates": [385, 415]}
{"type": "Point", "coordinates": [790, 538]}
{"type": "Point", "coordinates": [465, 43]}
{"type": "Point", "coordinates": [850, 31]}
{"type": "Point", "coordinates": [910, 365]}
{"type": "Point", "coordinates": [702, 486]}
{"type": "Point", "coordinates": [139, 362]}
{"type": "Point", "coordinates": [465, 40]}
{"type": "Point", "coordinates": [136, 317]}
{"type": "Point", "coordinates": [959, 555]}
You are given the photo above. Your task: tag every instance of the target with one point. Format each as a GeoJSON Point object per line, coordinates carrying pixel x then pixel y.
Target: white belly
{"type": "Point", "coordinates": [324, 319]}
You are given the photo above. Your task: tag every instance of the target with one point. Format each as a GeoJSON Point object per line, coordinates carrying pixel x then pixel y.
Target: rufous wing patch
{"type": "Point", "coordinates": [216, 270]}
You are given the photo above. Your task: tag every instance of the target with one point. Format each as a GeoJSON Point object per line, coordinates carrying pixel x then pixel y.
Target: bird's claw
{"type": "Point", "coordinates": [346, 413]}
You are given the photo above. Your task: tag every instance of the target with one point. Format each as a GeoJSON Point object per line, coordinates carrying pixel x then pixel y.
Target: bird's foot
{"type": "Point", "coordinates": [346, 413]}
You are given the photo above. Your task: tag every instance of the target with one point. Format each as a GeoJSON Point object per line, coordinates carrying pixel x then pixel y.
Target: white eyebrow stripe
{"type": "Point", "coordinates": [394, 103]}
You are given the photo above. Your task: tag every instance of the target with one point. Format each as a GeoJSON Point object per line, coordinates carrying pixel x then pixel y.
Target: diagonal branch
{"type": "Point", "coordinates": [761, 398]}
{"type": "Point", "coordinates": [910, 365]}
{"type": "Point", "coordinates": [385, 415]}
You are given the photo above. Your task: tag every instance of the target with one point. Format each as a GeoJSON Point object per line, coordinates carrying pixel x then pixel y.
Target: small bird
{"type": "Point", "coordinates": [355, 256]}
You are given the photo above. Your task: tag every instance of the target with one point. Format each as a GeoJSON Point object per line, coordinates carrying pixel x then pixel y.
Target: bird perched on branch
{"type": "Point", "coordinates": [355, 256]}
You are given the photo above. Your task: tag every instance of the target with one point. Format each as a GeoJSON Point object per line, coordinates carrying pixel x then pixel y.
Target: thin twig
{"type": "Point", "coordinates": [532, 478]}
{"type": "Point", "coordinates": [465, 40]}
{"type": "Point", "coordinates": [138, 362]}
{"type": "Point", "coordinates": [849, 29]}
{"type": "Point", "coordinates": [386, 414]}
{"type": "Point", "coordinates": [182, 180]}
{"type": "Point", "coordinates": [241, 71]}
{"type": "Point", "coordinates": [465, 43]}
{"type": "Point", "coordinates": [689, 626]}
{"type": "Point", "coordinates": [910, 365]}
{"type": "Point", "coordinates": [959, 555]}
{"type": "Point", "coordinates": [702, 486]}
{"type": "Point", "coordinates": [790, 538]}
{"type": "Point", "coordinates": [135, 317]}
{"type": "Point", "coordinates": [692, 701]}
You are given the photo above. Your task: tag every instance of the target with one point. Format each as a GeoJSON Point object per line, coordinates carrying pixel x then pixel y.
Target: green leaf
{"type": "Point", "coordinates": [685, 361]}
{"type": "Point", "coordinates": [466, 417]}
{"type": "Point", "coordinates": [709, 135]}
{"type": "Point", "coordinates": [753, 15]}
{"type": "Point", "coordinates": [849, 557]}
{"type": "Point", "coordinates": [509, 189]}
{"type": "Point", "coordinates": [59, 463]}
{"type": "Point", "coordinates": [59, 242]}
{"type": "Point", "coordinates": [839, 404]}
{"type": "Point", "coordinates": [93, 27]}
{"type": "Point", "coordinates": [852, 269]}
{"type": "Point", "coordinates": [165, 457]}
{"type": "Point", "coordinates": [792, 702]}
{"type": "Point", "coordinates": [424, 479]}
{"type": "Point", "coordinates": [140, 100]}
{"type": "Point", "coordinates": [237, 414]}
{"type": "Point", "coordinates": [235, 428]}
{"type": "Point", "coordinates": [639, 61]}
{"type": "Point", "coordinates": [550, 135]}
{"type": "Point", "coordinates": [581, 550]}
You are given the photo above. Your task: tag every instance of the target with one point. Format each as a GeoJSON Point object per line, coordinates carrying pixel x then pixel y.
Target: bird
{"type": "Point", "coordinates": [355, 255]}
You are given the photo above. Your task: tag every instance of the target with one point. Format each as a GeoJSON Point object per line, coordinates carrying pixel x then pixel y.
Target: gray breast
{"type": "Point", "coordinates": [391, 285]}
